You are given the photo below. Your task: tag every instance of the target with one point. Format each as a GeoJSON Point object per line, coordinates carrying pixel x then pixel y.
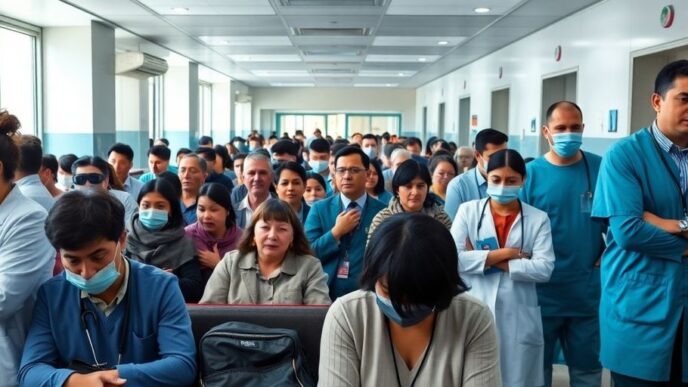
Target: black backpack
{"type": "Point", "coordinates": [247, 355]}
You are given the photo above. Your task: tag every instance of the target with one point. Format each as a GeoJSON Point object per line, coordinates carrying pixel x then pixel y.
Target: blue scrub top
{"type": "Point", "coordinates": [574, 288]}
{"type": "Point", "coordinates": [644, 274]}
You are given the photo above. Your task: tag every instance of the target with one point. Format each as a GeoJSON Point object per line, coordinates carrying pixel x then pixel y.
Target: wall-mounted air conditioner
{"type": "Point", "coordinates": [139, 65]}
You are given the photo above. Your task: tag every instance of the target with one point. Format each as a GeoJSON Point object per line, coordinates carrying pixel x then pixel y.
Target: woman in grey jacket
{"type": "Point", "coordinates": [273, 265]}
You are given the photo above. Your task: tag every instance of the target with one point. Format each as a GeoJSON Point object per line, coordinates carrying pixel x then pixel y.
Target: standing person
{"type": "Point", "coordinates": [257, 175]}
{"type": "Point", "coordinates": [375, 184]}
{"type": "Point", "coordinates": [157, 237]}
{"type": "Point", "coordinates": [48, 174]}
{"type": "Point", "coordinates": [371, 148]}
{"type": "Point", "coordinates": [472, 184]}
{"type": "Point", "coordinates": [215, 233]}
{"type": "Point", "coordinates": [107, 320]}
{"type": "Point", "coordinates": [158, 162]}
{"type": "Point", "coordinates": [337, 227]}
{"type": "Point", "coordinates": [505, 248]}
{"type": "Point", "coordinates": [64, 173]}
{"type": "Point", "coordinates": [411, 323]}
{"type": "Point", "coordinates": [215, 168]}
{"type": "Point", "coordinates": [315, 188]}
{"type": "Point", "coordinates": [643, 273]}
{"type": "Point", "coordinates": [318, 160]}
{"type": "Point", "coordinates": [570, 300]}
{"type": "Point", "coordinates": [290, 185]}
{"type": "Point", "coordinates": [121, 157]}
{"type": "Point", "coordinates": [26, 257]}
{"type": "Point", "coordinates": [443, 169]}
{"type": "Point", "coordinates": [464, 158]}
{"type": "Point", "coordinates": [193, 171]}
{"type": "Point", "coordinates": [26, 176]}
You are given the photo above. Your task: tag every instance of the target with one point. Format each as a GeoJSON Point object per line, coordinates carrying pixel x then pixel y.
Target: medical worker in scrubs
{"type": "Point", "coordinates": [561, 183]}
{"type": "Point", "coordinates": [505, 248]}
{"type": "Point", "coordinates": [644, 271]}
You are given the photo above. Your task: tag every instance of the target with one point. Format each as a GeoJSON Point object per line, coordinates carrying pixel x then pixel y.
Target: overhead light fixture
{"type": "Point", "coordinates": [442, 43]}
{"type": "Point", "coordinates": [389, 85]}
{"type": "Point", "coordinates": [180, 9]}
{"type": "Point", "coordinates": [401, 74]}
{"type": "Point", "coordinates": [481, 10]}
{"type": "Point", "coordinates": [422, 59]}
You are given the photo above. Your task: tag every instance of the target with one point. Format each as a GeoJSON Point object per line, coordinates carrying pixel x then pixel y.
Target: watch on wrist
{"type": "Point", "coordinates": [683, 225]}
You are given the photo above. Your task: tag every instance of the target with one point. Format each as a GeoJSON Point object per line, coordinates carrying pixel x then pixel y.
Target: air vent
{"type": "Point", "coordinates": [332, 3]}
{"type": "Point", "coordinates": [331, 31]}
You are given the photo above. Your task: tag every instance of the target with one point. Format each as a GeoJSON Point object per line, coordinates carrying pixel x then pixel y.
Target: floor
{"type": "Point", "coordinates": [560, 377]}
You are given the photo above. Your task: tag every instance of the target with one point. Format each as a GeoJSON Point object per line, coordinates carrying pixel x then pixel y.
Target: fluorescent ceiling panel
{"type": "Point", "coordinates": [295, 84]}
{"type": "Point", "coordinates": [265, 58]}
{"type": "Point", "coordinates": [448, 7]}
{"type": "Point", "coordinates": [417, 40]}
{"type": "Point", "coordinates": [401, 58]}
{"type": "Point", "coordinates": [376, 84]}
{"type": "Point", "coordinates": [246, 40]}
{"type": "Point", "coordinates": [281, 73]}
{"type": "Point", "coordinates": [386, 73]}
{"type": "Point", "coordinates": [210, 7]}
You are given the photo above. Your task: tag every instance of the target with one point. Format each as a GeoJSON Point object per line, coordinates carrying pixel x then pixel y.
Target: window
{"type": "Point", "coordinates": [19, 88]}
{"type": "Point", "coordinates": [155, 107]}
{"type": "Point", "coordinates": [373, 123]}
{"type": "Point", "coordinates": [338, 125]}
{"type": "Point", "coordinates": [205, 108]}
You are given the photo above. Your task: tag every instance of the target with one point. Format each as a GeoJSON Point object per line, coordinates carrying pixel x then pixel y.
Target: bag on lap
{"type": "Point", "coordinates": [247, 355]}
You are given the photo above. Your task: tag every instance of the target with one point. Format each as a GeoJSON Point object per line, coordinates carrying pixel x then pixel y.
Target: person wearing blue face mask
{"type": "Point", "coordinates": [108, 320]}
{"type": "Point", "coordinates": [412, 322]}
{"type": "Point", "coordinates": [505, 249]}
{"type": "Point", "coordinates": [157, 237]}
{"type": "Point", "coordinates": [562, 183]}
{"type": "Point", "coordinates": [319, 160]}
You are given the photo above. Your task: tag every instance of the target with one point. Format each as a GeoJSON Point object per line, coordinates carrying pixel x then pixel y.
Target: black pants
{"type": "Point", "coordinates": [675, 373]}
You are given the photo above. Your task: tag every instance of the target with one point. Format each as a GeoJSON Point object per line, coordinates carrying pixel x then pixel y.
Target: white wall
{"type": "Point", "coordinates": [332, 100]}
{"type": "Point", "coordinates": [598, 42]}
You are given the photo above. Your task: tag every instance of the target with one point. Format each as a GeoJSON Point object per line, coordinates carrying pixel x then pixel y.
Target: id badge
{"type": "Point", "coordinates": [489, 244]}
{"type": "Point", "coordinates": [586, 202]}
{"type": "Point", "coordinates": [343, 270]}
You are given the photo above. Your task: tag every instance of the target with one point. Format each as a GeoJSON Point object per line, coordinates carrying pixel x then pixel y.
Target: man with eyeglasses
{"type": "Point", "coordinates": [337, 227]}
{"type": "Point", "coordinates": [91, 172]}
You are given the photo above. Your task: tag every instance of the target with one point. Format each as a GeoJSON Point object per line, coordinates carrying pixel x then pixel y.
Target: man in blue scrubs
{"type": "Point", "coordinates": [471, 185]}
{"type": "Point", "coordinates": [561, 183]}
{"type": "Point", "coordinates": [644, 269]}
{"type": "Point", "coordinates": [106, 320]}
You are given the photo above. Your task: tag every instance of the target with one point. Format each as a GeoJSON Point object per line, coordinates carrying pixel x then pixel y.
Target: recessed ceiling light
{"type": "Point", "coordinates": [401, 74]}
{"type": "Point", "coordinates": [422, 59]}
{"type": "Point", "coordinates": [442, 42]}
{"type": "Point", "coordinates": [180, 9]}
{"type": "Point", "coordinates": [389, 85]}
{"type": "Point", "coordinates": [481, 10]}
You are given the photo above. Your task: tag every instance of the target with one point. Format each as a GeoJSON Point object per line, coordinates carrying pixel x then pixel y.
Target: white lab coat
{"type": "Point", "coordinates": [26, 261]}
{"type": "Point", "coordinates": [511, 296]}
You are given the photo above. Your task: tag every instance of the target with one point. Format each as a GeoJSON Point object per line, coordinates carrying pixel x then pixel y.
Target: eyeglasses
{"type": "Point", "coordinates": [93, 178]}
{"type": "Point", "coordinates": [352, 171]}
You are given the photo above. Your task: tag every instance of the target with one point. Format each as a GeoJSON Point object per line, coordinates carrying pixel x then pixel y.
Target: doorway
{"type": "Point", "coordinates": [464, 121]}
{"type": "Point", "coordinates": [645, 69]}
{"type": "Point", "coordinates": [555, 89]}
{"type": "Point", "coordinates": [500, 111]}
{"type": "Point", "coordinates": [440, 121]}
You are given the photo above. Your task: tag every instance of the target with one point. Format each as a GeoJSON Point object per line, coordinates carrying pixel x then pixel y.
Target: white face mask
{"type": "Point", "coordinates": [65, 181]}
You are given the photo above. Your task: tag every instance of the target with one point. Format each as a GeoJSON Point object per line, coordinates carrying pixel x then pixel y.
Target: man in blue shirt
{"type": "Point", "coordinates": [121, 157]}
{"type": "Point", "coordinates": [561, 183]}
{"type": "Point", "coordinates": [641, 195]}
{"type": "Point", "coordinates": [193, 171]}
{"type": "Point", "coordinates": [158, 162]}
{"type": "Point", "coordinates": [471, 185]}
{"type": "Point", "coordinates": [337, 227]}
{"type": "Point", "coordinates": [106, 320]}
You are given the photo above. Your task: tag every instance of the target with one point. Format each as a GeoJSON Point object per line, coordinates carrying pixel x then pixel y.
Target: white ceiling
{"type": "Point", "coordinates": [383, 43]}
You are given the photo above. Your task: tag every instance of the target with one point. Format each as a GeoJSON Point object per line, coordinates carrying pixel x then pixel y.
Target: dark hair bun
{"type": "Point", "coordinates": [9, 123]}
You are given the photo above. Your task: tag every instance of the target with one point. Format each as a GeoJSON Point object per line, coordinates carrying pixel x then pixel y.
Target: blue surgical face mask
{"type": "Point", "coordinates": [414, 315]}
{"type": "Point", "coordinates": [567, 145]}
{"type": "Point", "coordinates": [503, 194]}
{"type": "Point", "coordinates": [100, 281]}
{"type": "Point", "coordinates": [318, 165]}
{"type": "Point", "coordinates": [370, 152]}
{"type": "Point", "coordinates": [153, 219]}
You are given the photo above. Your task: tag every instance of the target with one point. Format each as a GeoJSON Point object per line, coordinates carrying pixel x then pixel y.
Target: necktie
{"type": "Point", "coordinates": [352, 206]}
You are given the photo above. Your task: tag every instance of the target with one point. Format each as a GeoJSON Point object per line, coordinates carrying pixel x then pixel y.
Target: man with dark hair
{"type": "Point", "coordinates": [284, 150]}
{"type": "Point", "coordinates": [108, 320]}
{"type": "Point", "coordinates": [319, 160]}
{"type": "Point", "coordinates": [471, 185]}
{"type": "Point", "coordinates": [48, 174]}
{"type": "Point", "coordinates": [193, 172]}
{"type": "Point", "coordinates": [641, 197]}
{"type": "Point", "coordinates": [205, 142]}
{"type": "Point", "coordinates": [209, 155]}
{"type": "Point", "coordinates": [414, 145]}
{"type": "Point", "coordinates": [91, 173]}
{"type": "Point", "coordinates": [121, 157]}
{"type": "Point", "coordinates": [357, 138]}
{"type": "Point", "coordinates": [370, 147]}
{"type": "Point", "coordinates": [162, 141]}
{"type": "Point", "coordinates": [332, 184]}
{"type": "Point", "coordinates": [64, 172]}
{"type": "Point", "coordinates": [26, 175]}
{"type": "Point", "coordinates": [158, 162]}
{"type": "Point", "coordinates": [569, 302]}
{"type": "Point", "coordinates": [337, 227]}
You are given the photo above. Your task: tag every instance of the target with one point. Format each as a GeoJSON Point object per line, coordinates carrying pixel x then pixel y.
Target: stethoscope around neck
{"type": "Point", "coordinates": [520, 209]}
{"type": "Point", "coordinates": [85, 313]}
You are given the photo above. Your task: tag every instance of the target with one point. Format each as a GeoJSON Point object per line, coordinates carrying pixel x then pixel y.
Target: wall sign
{"type": "Point", "coordinates": [613, 120]}
{"type": "Point", "coordinates": [666, 18]}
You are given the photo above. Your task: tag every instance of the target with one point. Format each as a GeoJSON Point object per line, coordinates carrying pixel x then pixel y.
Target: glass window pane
{"type": "Point", "coordinates": [359, 124]}
{"type": "Point", "coordinates": [17, 77]}
{"type": "Point", "coordinates": [381, 124]}
{"type": "Point", "coordinates": [311, 122]}
{"type": "Point", "coordinates": [336, 126]}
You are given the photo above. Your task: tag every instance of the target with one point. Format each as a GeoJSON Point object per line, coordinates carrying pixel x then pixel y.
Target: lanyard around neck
{"type": "Point", "coordinates": [425, 355]}
{"type": "Point", "coordinates": [671, 173]}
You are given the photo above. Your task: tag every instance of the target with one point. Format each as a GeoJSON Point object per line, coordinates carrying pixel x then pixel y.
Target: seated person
{"type": "Point", "coordinates": [215, 233]}
{"type": "Point", "coordinates": [157, 237]}
{"type": "Point", "coordinates": [273, 265]}
{"type": "Point", "coordinates": [107, 320]}
{"type": "Point", "coordinates": [290, 185]}
{"type": "Point", "coordinates": [411, 322]}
